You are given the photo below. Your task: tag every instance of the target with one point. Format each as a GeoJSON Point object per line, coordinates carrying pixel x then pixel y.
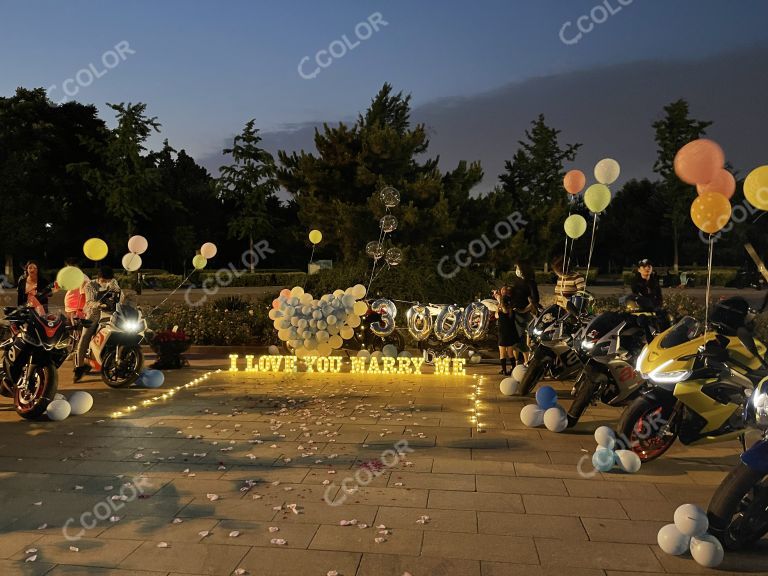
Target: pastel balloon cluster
{"type": "Point", "coordinates": [605, 457]}
{"type": "Point", "coordinates": [150, 379]}
{"type": "Point", "coordinates": [60, 408]}
{"type": "Point", "coordinates": [317, 326]}
{"type": "Point", "coordinates": [596, 197]}
{"type": "Point", "coordinates": [689, 533]}
{"type": "Point", "coordinates": [546, 411]}
{"type": "Point", "coordinates": [137, 245]}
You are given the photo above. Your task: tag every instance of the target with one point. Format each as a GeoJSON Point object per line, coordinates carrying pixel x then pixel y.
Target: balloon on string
{"type": "Point", "coordinates": [388, 223]}
{"type": "Point", "coordinates": [315, 236]}
{"type": "Point", "coordinates": [199, 262]}
{"type": "Point", "coordinates": [607, 171]}
{"type": "Point", "coordinates": [95, 249]}
{"type": "Point", "coordinates": [710, 212]}
{"type": "Point", "coordinates": [575, 226]}
{"type": "Point", "coordinates": [208, 250]}
{"type": "Point", "coordinates": [389, 196]}
{"type": "Point", "coordinates": [574, 181]}
{"type": "Point", "coordinates": [70, 278]}
{"type": "Point", "coordinates": [394, 256]}
{"type": "Point", "coordinates": [756, 188]}
{"type": "Point", "coordinates": [723, 183]}
{"type": "Point", "coordinates": [374, 249]}
{"type": "Point", "coordinates": [597, 197]}
{"type": "Point", "coordinates": [137, 244]}
{"type": "Point", "coordinates": [131, 262]}
{"type": "Point", "coordinates": [698, 161]}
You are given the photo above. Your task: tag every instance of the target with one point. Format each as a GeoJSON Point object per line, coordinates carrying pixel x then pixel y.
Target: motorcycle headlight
{"type": "Point", "coordinates": [756, 413]}
{"type": "Point", "coordinates": [640, 360]}
{"type": "Point", "coordinates": [660, 376]}
{"type": "Point", "coordinates": [537, 331]}
{"type": "Point", "coordinates": [130, 326]}
{"type": "Point", "coordinates": [587, 345]}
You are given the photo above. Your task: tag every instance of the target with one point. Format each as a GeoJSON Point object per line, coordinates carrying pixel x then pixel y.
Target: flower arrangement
{"type": "Point", "coordinates": [169, 345]}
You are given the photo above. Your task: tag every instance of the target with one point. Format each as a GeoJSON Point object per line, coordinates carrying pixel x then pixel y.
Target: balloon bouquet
{"type": "Point", "coordinates": [376, 249]}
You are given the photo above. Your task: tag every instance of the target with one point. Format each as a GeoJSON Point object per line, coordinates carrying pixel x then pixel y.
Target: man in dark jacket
{"type": "Point", "coordinates": [646, 283]}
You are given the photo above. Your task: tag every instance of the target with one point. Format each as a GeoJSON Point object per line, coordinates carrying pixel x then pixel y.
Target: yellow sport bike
{"type": "Point", "coordinates": [700, 383]}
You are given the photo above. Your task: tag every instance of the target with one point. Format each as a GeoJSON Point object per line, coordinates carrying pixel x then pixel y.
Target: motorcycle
{"type": "Point", "coordinates": [700, 380]}
{"type": "Point", "coordinates": [738, 510]}
{"type": "Point", "coordinates": [610, 346]}
{"type": "Point", "coordinates": [552, 334]}
{"type": "Point", "coordinates": [115, 349]}
{"type": "Point", "coordinates": [37, 346]}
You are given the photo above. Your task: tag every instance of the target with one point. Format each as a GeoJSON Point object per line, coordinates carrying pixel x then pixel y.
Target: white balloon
{"type": "Point", "coordinates": [131, 262]}
{"type": "Point", "coordinates": [672, 541]}
{"type": "Point", "coordinates": [555, 419]}
{"type": "Point", "coordinates": [273, 350]}
{"type": "Point", "coordinates": [348, 300]}
{"type": "Point", "coordinates": [607, 171]}
{"type": "Point", "coordinates": [518, 372]}
{"type": "Point", "coordinates": [338, 293]}
{"type": "Point", "coordinates": [331, 319]}
{"type": "Point", "coordinates": [59, 397]}
{"type": "Point", "coordinates": [137, 244]}
{"type": "Point", "coordinates": [389, 350]}
{"type": "Point", "coordinates": [605, 437]}
{"type": "Point", "coordinates": [475, 359]}
{"type": "Point", "coordinates": [628, 461]}
{"type": "Point", "coordinates": [707, 550]}
{"type": "Point", "coordinates": [322, 336]}
{"type": "Point", "coordinates": [509, 386]}
{"type": "Point", "coordinates": [363, 354]}
{"type": "Point", "coordinates": [80, 403]}
{"type": "Point", "coordinates": [691, 520]}
{"type": "Point", "coordinates": [58, 410]}
{"type": "Point", "coordinates": [405, 354]}
{"type": "Point", "coordinates": [378, 355]}
{"type": "Point", "coordinates": [532, 416]}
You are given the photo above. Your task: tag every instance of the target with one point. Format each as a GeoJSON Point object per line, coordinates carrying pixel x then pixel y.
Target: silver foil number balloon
{"type": "Point", "coordinates": [386, 325]}
{"type": "Point", "coordinates": [419, 321]}
{"type": "Point", "coordinates": [448, 323]}
{"type": "Point", "coordinates": [475, 320]}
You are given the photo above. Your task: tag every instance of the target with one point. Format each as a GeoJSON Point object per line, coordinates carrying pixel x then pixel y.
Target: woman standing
{"type": "Point", "coordinates": [506, 326]}
{"type": "Point", "coordinates": [33, 288]}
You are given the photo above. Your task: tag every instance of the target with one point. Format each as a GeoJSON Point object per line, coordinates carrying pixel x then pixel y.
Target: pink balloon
{"type": "Point", "coordinates": [698, 161]}
{"type": "Point", "coordinates": [208, 250]}
{"type": "Point", "coordinates": [723, 183]}
{"type": "Point", "coordinates": [137, 244]}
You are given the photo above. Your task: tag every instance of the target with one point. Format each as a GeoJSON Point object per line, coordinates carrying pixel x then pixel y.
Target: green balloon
{"type": "Point", "coordinates": [575, 226]}
{"type": "Point", "coordinates": [70, 278]}
{"type": "Point", "coordinates": [199, 262]}
{"type": "Point", "coordinates": [597, 197]}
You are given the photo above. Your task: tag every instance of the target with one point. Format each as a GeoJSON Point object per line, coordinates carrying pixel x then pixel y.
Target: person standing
{"type": "Point", "coordinates": [95, 290]}
{"type": "Point", "coordinates": [525, 302]}
{"type": "Point", "coordinates": [568, 283]}
{"type": "Point", "coordinates": [33, 288]}
{"type": "Point", "coordinates": [507, 336]}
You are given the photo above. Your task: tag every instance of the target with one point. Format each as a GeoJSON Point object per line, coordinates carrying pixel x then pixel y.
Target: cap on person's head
{"type": "Point", "coordinates": [644, 262]}
{"type": "Point", "coordinates": [106, 273]}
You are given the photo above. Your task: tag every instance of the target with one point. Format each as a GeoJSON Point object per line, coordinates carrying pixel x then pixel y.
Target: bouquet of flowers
{"type": "Point", "coordinates": [169, 345]}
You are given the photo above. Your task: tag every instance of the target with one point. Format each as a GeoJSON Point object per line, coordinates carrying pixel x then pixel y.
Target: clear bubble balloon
{"type": "Point", "coordinates": [394, 256]}
{"type": "Point", "coordinates": [390, 196]}
{"type": "Point", "coordinates": [388, 223]}
{"type": "Point", "coordinates": [374, 249]}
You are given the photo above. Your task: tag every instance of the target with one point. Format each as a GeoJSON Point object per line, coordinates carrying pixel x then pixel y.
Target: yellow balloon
{"type": "Point", "coordinates": [597, 197]}
{"type": "Point", "coordinates": [575, 226]}
{"type": "Point", "coordinates": [95, 249]}
{"type": "Point", "coordinates": [710, 211]}
{"type": "Point", "coordinates": [199, 262]}
{"type": "Point", "coordinates": [756, 188]}
{"type": "Point", "coordinates": [315, 236]}
{"type": "Point", "coordinates": [360, 308]}
{"type": "Point", "coordinates": [70, 278]}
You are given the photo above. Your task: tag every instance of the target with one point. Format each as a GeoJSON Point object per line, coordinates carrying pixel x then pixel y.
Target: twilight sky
{"type": "Point", "coordinates": [206, 67]}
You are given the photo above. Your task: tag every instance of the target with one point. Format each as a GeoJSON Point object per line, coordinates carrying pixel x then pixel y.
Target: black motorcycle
{"type": "Point", "coordinates": [37, 346]}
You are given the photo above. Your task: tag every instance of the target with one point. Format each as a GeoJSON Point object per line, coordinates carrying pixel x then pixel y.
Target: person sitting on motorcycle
{"type": "Point", "coordinates": [33, 288]}
{"type": "Point", "coordinates": [646, 283]}
{"type": "Point", "coordinates": [95, 291]}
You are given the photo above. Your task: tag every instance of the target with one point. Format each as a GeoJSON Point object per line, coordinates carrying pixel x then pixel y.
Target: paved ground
{"type": "Point", "coordinates": [222, 466]}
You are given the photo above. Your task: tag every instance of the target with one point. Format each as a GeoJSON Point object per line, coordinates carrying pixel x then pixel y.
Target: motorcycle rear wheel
{"type": "Point", "coordinates": [637, 417]}
{"type": "Point", "coordinates": [736, 512]}
{"type": "Point", "coordinates": [125, 375]}
{"type": "Point", "coordinates": [32, 404]}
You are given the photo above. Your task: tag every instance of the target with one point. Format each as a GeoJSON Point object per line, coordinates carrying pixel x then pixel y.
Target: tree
{"type": "Point", "coordinates": [673, 132]}
{"type": "Point", "coordinates": [533, 185]}
{"type": "Point", "coordinates": [248, 184]}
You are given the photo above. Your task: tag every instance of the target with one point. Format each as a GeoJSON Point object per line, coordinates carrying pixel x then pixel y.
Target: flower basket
{"type": "Point", "coordinates": [169, 346]}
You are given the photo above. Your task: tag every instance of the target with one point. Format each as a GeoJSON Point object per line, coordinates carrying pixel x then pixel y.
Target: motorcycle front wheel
{"type": "Point", "coordinates": [537, 367]}
{"type": "Point", "coordinates": [585, 391]}
{"type": "Point", "coordinates": [645, 427]}
{"type": "Point", "coordinates": [123, 371]}
{"type": "Point", "coordinates": [737, 511]}
{"type": "Point", "coordinates": [31, 401]}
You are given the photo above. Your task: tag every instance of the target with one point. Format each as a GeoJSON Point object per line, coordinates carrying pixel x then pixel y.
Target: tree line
{"type": "Point", "coordinates": [65, 177]}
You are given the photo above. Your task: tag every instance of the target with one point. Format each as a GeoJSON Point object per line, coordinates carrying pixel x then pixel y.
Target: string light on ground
{"type": "Point", "coordinates": [165, 396]}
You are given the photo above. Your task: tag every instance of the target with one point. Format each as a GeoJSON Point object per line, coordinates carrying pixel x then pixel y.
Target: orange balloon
{"type": "Point", "coordinates": [698, 161]}
{"type": "Point", "coordinates": [275, 303]}
{"type": "Point", "coordinates": [285, 292]}
{"type": "Point", "coordinates": [574, 181]}
{"type": "Point", "coordinates": [723, 183]}
{"type": "Point", "coordinates": [710, 211]}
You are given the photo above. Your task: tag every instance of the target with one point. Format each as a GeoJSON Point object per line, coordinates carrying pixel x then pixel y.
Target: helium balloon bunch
{"type": "Point", "coordinates": [546, 411]}
{"type": "Point", "coordinates": [605, 456]}
{"type": "Point", "coordinates": [206, 252]}
{"type": "Point", "coordinates": [137, 245]}
{"type": "Point", "coordinates": [60, 408]}
{"type": "Point", "coordinates": [375, 249]}
{"type": "Point", "coordinates": [689, 533]}
{"type": "Point", "coordinates": [596, 197]}
{"type": "Point", "coordinates": [317, 326]}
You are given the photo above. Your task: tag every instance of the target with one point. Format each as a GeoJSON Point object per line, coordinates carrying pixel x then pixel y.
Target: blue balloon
{"type": "Point", "coordinates": [603, 459]}
{"type": "Point", "coordinates": [153, 379]}
{"type": "Point", "coordinates": [546, 397]}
